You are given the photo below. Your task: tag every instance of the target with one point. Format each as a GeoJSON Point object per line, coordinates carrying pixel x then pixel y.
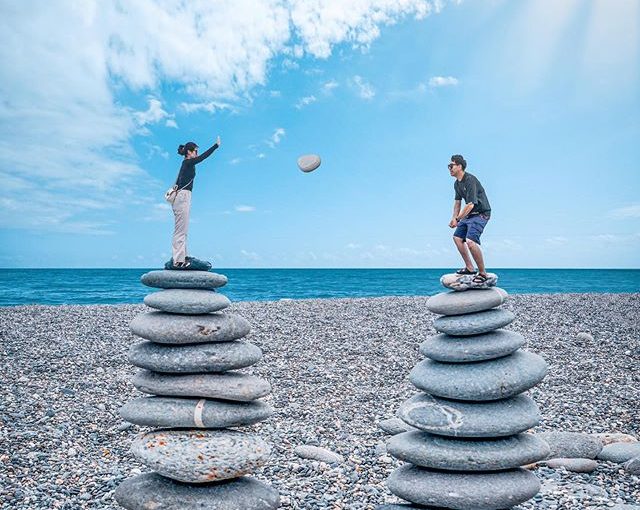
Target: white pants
{"type": "Point", "coordinates": [181, 208]}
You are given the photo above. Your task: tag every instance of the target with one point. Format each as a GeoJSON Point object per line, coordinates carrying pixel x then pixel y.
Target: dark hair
{"type": "Point", "coordinates": [459, 160]}
{"type": "Point", "coordinates": [189, 146]}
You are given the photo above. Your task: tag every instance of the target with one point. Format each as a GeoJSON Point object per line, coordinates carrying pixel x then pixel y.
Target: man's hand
{"type": "Point", "coordinates": [453, 223]}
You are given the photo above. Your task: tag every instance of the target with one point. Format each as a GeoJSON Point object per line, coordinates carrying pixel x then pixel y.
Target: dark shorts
{"type": "Point", "coordinates": [471, 227]}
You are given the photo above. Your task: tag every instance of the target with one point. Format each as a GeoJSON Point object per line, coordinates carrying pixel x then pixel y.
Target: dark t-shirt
{"type": "Point", "coordinates": [472, 191]}
{"type": "Point", "coordinates": [188, 169]}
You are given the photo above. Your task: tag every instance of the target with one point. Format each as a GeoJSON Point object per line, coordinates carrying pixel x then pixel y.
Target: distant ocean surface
{"type": "Point", "coordinates": [118, 286]}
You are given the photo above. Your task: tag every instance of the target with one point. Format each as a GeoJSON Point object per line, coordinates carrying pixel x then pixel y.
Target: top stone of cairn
{"type": "Point", "coordinates": [461, 282]}
{"type": "Point", "coordinates": [177, 279]}
{"type": "Point", "coordinates": [459, 303]}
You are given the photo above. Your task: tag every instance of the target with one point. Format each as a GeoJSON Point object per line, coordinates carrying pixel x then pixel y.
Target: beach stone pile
{"type": "Point", "coordinates": [188, 362]}
{"type": "Point", "coordinates": [469, 420]}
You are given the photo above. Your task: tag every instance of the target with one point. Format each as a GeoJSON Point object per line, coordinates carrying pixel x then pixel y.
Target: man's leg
{"type": "Point", "coordinates": [476, 252]}
{"type": "Point", "coordinates": [476, 227]}
{"type": "Point", "coordinates": [462, 248]}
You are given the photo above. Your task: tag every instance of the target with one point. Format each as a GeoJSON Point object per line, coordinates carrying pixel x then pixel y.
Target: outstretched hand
{"type": "Point", "coordinates": [218, 141]}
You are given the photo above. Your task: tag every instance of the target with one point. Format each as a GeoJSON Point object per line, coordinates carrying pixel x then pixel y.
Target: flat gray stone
{"type": "Point", "coordinates": [445, 417]}
{"type": "Point", "coordinates": [187, 301]}
{"type": "Point", "coordinates": [474, 323]}
{"type": "Point", "coordinates": [461, 283]}
{"type": "Point", "coordinates": [483, 380]}
{"type": "Point", "coordinates": [179, 279]}
{"type": "Point", "coordinates": [459, 303]}
{"type": "Point", "coordinates": [615, 437]}
{"type": "Point", "coordinates": [463, 349]}
{"type": "Point", "coordinates": [571, 445]}
{"type": "Point", "coordinates": [632, 466]}
{"type": "Point", "coordinates": [573, 464]}
{"type": "Point", "coordinates": [152, 491]}
{"type": "Point", "coordinates": [168, 328]}
{"type": "Point", "coordinates": [479, 491]}
{"type": "Point", "coordinates": [198, 456]}
{"type": "Point", "coordinates": [319, 454]}
{"type": "Point", "coordinates": [168, 412]}
{"type": "Point", "coordinates": [620, 452]}
{"type": "Point", "coordinates": [438, 452]}
{"type": "Point", "coordinates": [227, 386]}
{"type": "Point", "coordinates": [394, 426]}
{"type": "Point", "coordinates": [206, 357]}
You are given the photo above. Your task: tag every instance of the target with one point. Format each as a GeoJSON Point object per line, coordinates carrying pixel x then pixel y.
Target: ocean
{"type": "Point", "coordinates": [119, 286]}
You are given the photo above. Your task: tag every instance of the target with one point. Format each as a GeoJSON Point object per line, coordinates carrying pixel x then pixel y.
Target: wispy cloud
{"type": "Point", "coordinates": [557, 240]}
{"type": "Point", "coordinates": [235, 161]}
{"type": "Point", "coordinates": [329, 86]}
{"type": "Point", "coordinates": [250, 255]}
{"type": "Point", "coordinates": [206, 106]}
{"type": "Point", "coordinates": [364, 89]}
{"type": "Point", "coordinates": [276, 137]}
{"type": "Point", "coordinates": [305, 101]}
{"type": "Point", "coordinates": [153, 114]}
{"type": "Point", "coordinates": [443, 81]}
{"type": "Point", "coordinates": [244, 208]}
{"type": "Point", "coordinates": [632, 211]}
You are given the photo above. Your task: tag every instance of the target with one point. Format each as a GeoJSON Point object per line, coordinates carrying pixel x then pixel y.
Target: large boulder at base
{"type": "Point", "coordinates": [461, 282]}
{"type": "Point", "coordinates": [169, 328]}
{"type": "Point", "coordinates": [463, 349]}
{"type": "Point", "coordinates": [477, 491]}
{"type": "Point", "coordinates": [484, 380]}
{"type": "Point", "coordinates": [153, 491]}
{"type": "Point", "coordinates": [169, 412]}
{"type": "Point", "coordinates": [168, 279]}
{"type": "Point", "coordinates": [187, 301]}
{"type": "Point", "coordinates": [199, 456]}
{"type": "Point", "coordinates": [460, 303]}
{"type": "Point", "coordinates": [454, 418]}
{"type": "Point", "coordinates": [194, 265]}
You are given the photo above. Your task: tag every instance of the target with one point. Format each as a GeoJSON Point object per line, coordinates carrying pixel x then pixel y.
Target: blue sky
{"type": "Point", "coordinates": [541, 97]}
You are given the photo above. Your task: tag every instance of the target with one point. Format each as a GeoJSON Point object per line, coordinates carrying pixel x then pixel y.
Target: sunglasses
{"type": "Point", "coordinates": [451, 165]}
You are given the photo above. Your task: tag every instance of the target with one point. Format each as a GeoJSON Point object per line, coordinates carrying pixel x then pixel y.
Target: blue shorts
{"type": "Point", "coordinates": [471, 227]}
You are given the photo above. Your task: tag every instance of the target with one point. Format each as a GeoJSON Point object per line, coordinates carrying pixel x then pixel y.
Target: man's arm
{"type": "Point", "coordinates": [456, 210]}
{"type": "Point", "coordinates": [467, 209]}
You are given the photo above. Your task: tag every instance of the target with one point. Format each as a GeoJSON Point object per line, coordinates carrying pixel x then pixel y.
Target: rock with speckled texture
{"type": "Point", "coordinates": [458, 303]}
{"type": "Point", "coordinates": [187, 301]}
{"type": "Point", "coordinates": [178, 279]}
{"type": "Point", "coordinates": [474, 323]}
{"type": "Point", "coordinates": [464, 349]}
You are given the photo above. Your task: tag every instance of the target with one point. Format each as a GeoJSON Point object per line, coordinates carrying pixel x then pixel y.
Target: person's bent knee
{"type": "Point", "coordinates": [472, 243]}
{"type": "Point", "coordinates": [458, 240]}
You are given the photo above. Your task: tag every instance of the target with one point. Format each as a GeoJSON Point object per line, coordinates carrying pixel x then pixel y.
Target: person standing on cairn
{"type": "Point", "coordinates": [470, 221]}
{"type": "Point", "coordinates": [182, 202]}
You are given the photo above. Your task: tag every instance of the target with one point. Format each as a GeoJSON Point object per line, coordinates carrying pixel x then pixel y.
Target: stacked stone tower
{"type": "Point", "coordinates": [188, 362]}
{"type": "Point", "coordinates": [471, 412]}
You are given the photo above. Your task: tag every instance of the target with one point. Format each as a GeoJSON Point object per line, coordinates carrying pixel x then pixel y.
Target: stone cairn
{"type": "Point", "coordinates": [188, 361]}
{"type": "Point", "coordinates": [467, 442]}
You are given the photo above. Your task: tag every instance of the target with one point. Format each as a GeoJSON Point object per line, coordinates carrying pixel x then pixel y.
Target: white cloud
{"type": "Point", "coordinates": [261, 155]}
{"type": "Point", "coordinates": [305, 101]}
{"type": "Point", "coordinates": [65, 64]}
{"type": "Point", "coordinates": [244, 208]}
{"type": "Point", "coordinates": [632, 211]}
{"type": "Point", "coordinates": [353, 246]}
{"type": "Point", "coordinates": [443, 81]}
{"type": "Point", "coordinates": [557, 240]}
{"type": "Point", "coordinates": [277, 135]}
{"type": "Point", "coordinates": [365, 90]}
{"type": "Point", "coordinates": [275, 93]}
{"type": "Point", "coordinates": [235, 161]}
{"type": "Point", "coordinates": [250, 255]}
{"type": "Point", "coordinates": [328, 87]}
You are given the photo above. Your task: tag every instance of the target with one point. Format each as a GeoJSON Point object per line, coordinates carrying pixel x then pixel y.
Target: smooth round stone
{"type": "Point", "coordinates": [445, 417]}
{"type": "Point", "coordinates": [394, 426]}
{"type": "Point", "coordinates": [438, 452]}
{"type": "Point", "coordinates": [620, 452]}
{"type": "Point", "coordinates": [316, 453]}
{"type": "Point", "coordinates": [463, 349]}
{"type": "Point", "coordinates": [178, 279]}
{"type": "Point", "coordinates": [170, 412]}
{"type": "Point", "coordinates": [479, 491]}
{"type": "Point", "coordinates": [168, 328]}
{"type": "Point", "coordinates": [483, 380]}
{"type": "Point", "coordinates": [571, 445]}
{"type": "Point", "coordinates": [187, 301]}
{"type": "Point", "coordinates": [459, 303]}
{"type": "Point", "coordinates": [573, 465]}
{"type": "Point", "coordinates": [474, 323]}
{"type": "Point", "coordinates": [152, 491]}
{"type": "Point", "coordinates": [208, 357]}
{"type": "Point", "coordinates": [462, 282]}
{"type": "Point", "coordinates": [227, 386]}
{"type": "Point", "coordinates": [199, 456]}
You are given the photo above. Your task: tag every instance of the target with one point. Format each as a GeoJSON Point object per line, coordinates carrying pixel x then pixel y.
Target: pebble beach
{"type": "Point", "coordinates": [337, 367]}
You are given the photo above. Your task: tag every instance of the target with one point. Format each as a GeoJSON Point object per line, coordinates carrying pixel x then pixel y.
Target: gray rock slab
{"type": "Point", "coordinates": [316, 453]}
{"type": "Point", "coordinates": [227, 386]}
{"type": "Point", "coordinates": [477, 491]}
{"type": "Point", "coordinates": [632, 466]}
{"type": "Point", "coordinates": [615, 437]}
{"type": "Point", "coordinates": [152, 491]}
{"type": "Point", "coordinates": [461, 283]}
{"type": "Point", "coordinates": [205, 357]}
{"type": "Point", "coordinates": [168, 412]}
{"type": "Point", "coordinates": [459, 303]}
{"type": "Point", "coordinates": [463, 349]}
{"type": "Point", "coordinates": [619, 452]}
{"type": "Point", "coordinates": [446, 453]}
{"type": "Point", "coordinates": [187, 301]}
{"type": "Point", "coordinates": [168, 328]}
{"type": "Point", "coordinates": [177, 279]}
{"type": "Point", "coordinates": [474, 323]}
{"type": "Point", "coordinates": [454, 418]}
{"type": "Point", "coordinates": [483, 380]}
{"type": "Point", "coordinates": [199, 456]}
{"type": "Point", "coordinates": [573, 464]}
{"type": "Point", "coordinates": [394, 426]}
{"type": "Point", "coordinates": [571, 445]}
{"type": "Point", "coordinates": [405, 506]}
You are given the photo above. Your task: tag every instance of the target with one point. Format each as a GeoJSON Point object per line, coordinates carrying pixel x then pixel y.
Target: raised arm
{"type": "Point", "coordinates": [206, 153]}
